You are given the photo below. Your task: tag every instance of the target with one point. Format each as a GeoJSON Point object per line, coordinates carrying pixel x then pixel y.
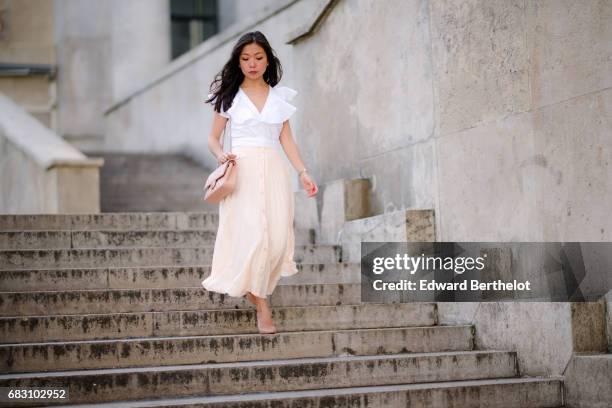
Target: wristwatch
{"type": "Point", "coordinates": [300, 173]}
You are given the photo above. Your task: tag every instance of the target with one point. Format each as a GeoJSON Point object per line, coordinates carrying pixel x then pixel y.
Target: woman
{"type": "Point", "coordinates": [254, 245]}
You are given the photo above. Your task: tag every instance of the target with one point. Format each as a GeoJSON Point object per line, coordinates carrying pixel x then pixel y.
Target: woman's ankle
{"type": "Point", "coordinates": [262, 305]}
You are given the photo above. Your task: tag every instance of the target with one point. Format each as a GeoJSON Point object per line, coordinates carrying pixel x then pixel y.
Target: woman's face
{"type": "Point", "coordinates": [253, 61]}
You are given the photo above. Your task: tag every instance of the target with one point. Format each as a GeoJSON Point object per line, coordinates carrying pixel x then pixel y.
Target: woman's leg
{"type": "Point", "coordinates": [264, 314]}
{"type": "Point", "coordinates": [251, 298]}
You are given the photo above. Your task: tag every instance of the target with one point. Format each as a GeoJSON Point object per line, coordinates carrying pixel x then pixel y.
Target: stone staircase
{"type": "Point", "coordinates": [110, 306]}
{"type": "Point", "coordinates": [151, 182]}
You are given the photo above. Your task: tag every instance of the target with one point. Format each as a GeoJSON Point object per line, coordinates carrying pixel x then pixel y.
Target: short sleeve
{"type": "Point", "coordinates": [286, 93]}
{"type": "Point", "coordinates": [223, 112]}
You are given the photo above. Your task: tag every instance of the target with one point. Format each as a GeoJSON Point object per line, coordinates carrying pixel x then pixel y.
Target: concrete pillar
{"type": "Point", "coordinates": [140, 42]}
{"type": "Point", "coordinates": [104, 50]}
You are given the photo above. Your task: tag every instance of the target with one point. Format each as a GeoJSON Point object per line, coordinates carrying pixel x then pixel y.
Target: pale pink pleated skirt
{"type": "Point", "coordinates": [255, 241]}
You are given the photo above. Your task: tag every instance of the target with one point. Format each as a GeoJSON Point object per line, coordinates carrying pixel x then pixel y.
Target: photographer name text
{"type": "Point", "coordinates": [473, 285]}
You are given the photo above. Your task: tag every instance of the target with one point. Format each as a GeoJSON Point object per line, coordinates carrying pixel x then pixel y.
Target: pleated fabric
{"type": "Point", "coordinates": [255, 240]}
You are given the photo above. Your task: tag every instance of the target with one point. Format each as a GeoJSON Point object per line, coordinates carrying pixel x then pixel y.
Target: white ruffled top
{"type": "Point", "coordinates": [249, 127]}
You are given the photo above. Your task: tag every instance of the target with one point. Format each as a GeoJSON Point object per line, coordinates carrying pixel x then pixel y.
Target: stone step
{"type": "Point", "coordinates": [53, 356]}
{"type": "Point", "coordinates": [535, 392]}
{"type": "Point", "coordinates": [588, 381]}
{"type": "Point", "coordinates": [271, 376]}
{"type": "Point", "coordinates": [110, 220]}
{"type": "Point", "coordinates": [161, 277]}
{"type": "Point", "coordinates": [75, 258]}
{"type": "Point", "coordinates": [344, 273]}
{"type": "Point", "coordinates": [209, 322]}
{"type": "Point", "coordinates": [66, 239]}
{"type": "Point", "coordinates": [153, 300]}
{"type": "Point", "coordinates": [151, 182]}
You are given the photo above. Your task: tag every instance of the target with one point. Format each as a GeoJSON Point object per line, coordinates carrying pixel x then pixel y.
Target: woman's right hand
{"type": "Point", "coordinates": [309, 184]}
{"type": "Point", "coordinates": [225, 157]}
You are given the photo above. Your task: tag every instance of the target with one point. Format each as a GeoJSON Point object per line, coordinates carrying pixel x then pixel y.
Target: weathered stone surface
{"type": "Point", "coordinates": [139, 256]}
{"type": "Point", "coordinates": [53, 356]}
{"type": "Point", "coordinates": [589, 327]}
{"type": "Point", "coordinates": [525, 188]}
{"type": "Point", "coordinates": [160, 277]}
{"type": "Point", "coordinates": [357, 199]}
{"type": "Point", "coordinates": [50, 239]}
{"type": "Point", "coordinates": [39, 171]}
{"type": "Point", "coordinates": [506, 393]}
{"type": "Point", "coordinates": [114, 49]}
{"type": "Point", "coordinates": [113, 326]}
{"type": "Point", "coordinates": [588, 381]}
{"type": "Point", "coordinates": [609, 319]}
{"type": "Point", "coordinates": [306, 214]}
{"type": "Point", "coordinates": [545, 334]}
{"type": "Point", "coordinates": [209, 322]}
{"type": "Point", "coordinates": [569, 49]}
{"type": "Point", "coordinates": [341, 201]}
{"type": "Point", "coordinates": [277, 375]}
{"type": "Point", "coordinates": [480, 62]}
{"type": "Point", "coordinates": [397, 226]}
{"type": "Point", "coordinates": [36, 303]}
{"type": "Point", "coordinates": [420, 226]}
{"type": "Point", "coordinates": [152, 181]}
{"type": "Point", "coordinates": [125, 221]}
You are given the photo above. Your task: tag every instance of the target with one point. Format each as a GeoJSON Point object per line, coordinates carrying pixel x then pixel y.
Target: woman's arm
{"type": "Point", "coordinates": [214, 144]}
{"type": "Point", "coordinates": [291, 150]}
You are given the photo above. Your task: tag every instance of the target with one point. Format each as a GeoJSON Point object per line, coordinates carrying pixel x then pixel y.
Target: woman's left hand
{"type": "Point", "coordinates": [309, 184]}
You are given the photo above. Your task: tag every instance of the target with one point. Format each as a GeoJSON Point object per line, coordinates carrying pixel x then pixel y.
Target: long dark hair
{"type": "Point", "coordinates": [226, 83]}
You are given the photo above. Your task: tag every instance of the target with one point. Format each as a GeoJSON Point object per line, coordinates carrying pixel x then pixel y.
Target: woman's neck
{"type": "Point", "coordinates": [249, 83]}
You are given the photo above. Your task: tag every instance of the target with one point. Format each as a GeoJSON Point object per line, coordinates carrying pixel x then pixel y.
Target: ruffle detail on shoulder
{"type": "Point", "coordinates": [285, 92]}
{"type": "Point", "coordinates": [279, 110]}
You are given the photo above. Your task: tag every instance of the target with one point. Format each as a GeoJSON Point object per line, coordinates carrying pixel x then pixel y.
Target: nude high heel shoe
{"type": "Point", "coordinates": [261, 328]}
{"type": "Point", "coordinates": [264, 329]}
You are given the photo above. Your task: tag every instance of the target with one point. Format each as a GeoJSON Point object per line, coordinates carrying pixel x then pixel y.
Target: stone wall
{"type": "Point", "coordinates": [26, 38]}
{"type": "Point", "coordinates": [105, 49]}
{"type": "Point", "coordinates": [41, 173]}
{"type": "Point", "coordinates": [478, 111]}
{"type": "Point", "coordinates": [497, 114]}
{"type": "Point", "coordinates": [234, 11]}
{"type": "Point", "coordinates": [26, 32]}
